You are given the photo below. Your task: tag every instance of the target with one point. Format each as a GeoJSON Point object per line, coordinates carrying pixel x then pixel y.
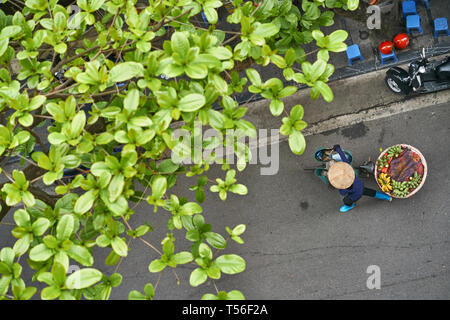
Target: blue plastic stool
{"type": "Point", "coordinates": [425, 2]}
{"type": "Point", "coordinates": [353, 53]}
{"type": "Point", "coordinates": [408, 8]}
{"type": "Point", "coordinates": [413, 24]}
{"type": "Point", "coordinates": [441, 25]}
{"type": "Point", "coordinates": [386, 57]}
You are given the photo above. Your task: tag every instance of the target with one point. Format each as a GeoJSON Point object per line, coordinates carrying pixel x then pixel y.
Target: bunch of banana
{"type": "Point", "coordinates": [394, 151]}
{"type": "Point", "coordinates": [400, 189]}
{"type": "Point", "coordinates": [385, 182]}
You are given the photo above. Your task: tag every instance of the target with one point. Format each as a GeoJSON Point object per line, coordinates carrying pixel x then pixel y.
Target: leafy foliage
{"type": "Point", "coordinates": [108, 83]}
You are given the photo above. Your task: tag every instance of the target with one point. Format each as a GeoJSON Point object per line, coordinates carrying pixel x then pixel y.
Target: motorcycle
{"type": "Point", "coordinates": [422, 76]}
{"type": "Point", "coordinates": [327, 156]}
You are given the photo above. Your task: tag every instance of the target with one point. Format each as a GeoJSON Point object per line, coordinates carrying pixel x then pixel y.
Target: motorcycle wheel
{"type": "Point", "coordinates": [393, 85]}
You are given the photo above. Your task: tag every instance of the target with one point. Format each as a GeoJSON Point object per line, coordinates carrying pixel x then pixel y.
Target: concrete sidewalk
{"type": "Point", "coordinates": [368, 40]}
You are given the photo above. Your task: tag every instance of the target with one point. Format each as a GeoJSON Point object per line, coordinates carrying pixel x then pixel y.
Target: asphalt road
{"type": "Point", "coordinates": [298, 245]}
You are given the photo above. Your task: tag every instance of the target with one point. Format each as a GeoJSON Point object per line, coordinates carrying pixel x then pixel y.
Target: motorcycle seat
{"type": "Point", "coordinates": [429, 76]}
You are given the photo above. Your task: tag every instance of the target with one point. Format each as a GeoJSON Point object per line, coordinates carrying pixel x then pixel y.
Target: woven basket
{"type": "Point", "coordinates": [425, 169]}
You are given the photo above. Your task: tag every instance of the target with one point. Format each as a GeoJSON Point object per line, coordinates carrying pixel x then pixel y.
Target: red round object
{"type": "Point", "coordinates": [401, 41]}
{"type": "Point", "coordinates": [386, 47]}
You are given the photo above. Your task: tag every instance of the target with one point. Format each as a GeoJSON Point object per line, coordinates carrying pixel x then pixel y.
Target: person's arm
{"type": "Point", "coordinates": [338, 149]}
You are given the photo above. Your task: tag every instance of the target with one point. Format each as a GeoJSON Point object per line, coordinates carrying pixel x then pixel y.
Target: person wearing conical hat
{"type": "Point", "coordinates": [342, 176]}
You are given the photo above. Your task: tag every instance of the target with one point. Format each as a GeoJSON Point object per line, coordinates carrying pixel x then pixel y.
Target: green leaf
{"type": "Point", "coordinates": [239, 229]}
{"type": "Point", "coordinates": [78, 123]}
{"type": "Point", "coordinates": [198, 276]}
{"type": "Point", "coordinates": [290, 56]}
{"type": "Point", "coordinates": [205, 251]}
{"type": "Point", "coordinates": [210, 14]}
{"type": "Point", "coordinates": [19, 178]}
{"type": "Point", "coordinates": [115, 279]}
{"type": "Point", "coordinates": [182, 257]}
{"type": "Point", "coordinates": [254, 77]}
{"type": "Point", "coordinates": [168, 248]}
{"type": "Point", "coordinates": [85, 202]}
{"type": "Point", "coordinates": [125, 71]}
{"type": "Point", "coordinates": [297, 112]}
{"type": "Point", "coordinates": [156, 265]}
{"type": "Point", "coordinates": [50, 177]}
{"type": "Point", "coordinates": [221, 53]}
{"type": "Point", "coordinates": [192, 102]}
{"type": "Point", "coordinates": [100, 168]}
{"type": "Point", "coordinates": [168, 166]}
{"type": "Point", "coordinates": [40, 253]}
{"type": "Point", "coordinates": [216, 240]}
{"type": "Point", "coordinates": [116, 187]}
{"type": "Point", "coordinates": [112, 258]}
{"type": "Point", "coordinates": [59, 273]}
{"type": "Point", "coordinates": [119, 246]}
{"type": "Point", "coordinates": [57, 138]}
{"type": "Point", "coordinates": [95, 5]}
{"type": "Point", "coordinates": [28, 293]}
{"type": "Point", "coordinates": [104, 138]}
{"type": "Point", "coordinates": [235, 295]}
{"type": "Point", "coordinates": [50, 293]}
{"type": "Point", "coordinates": [300, 125]}
{"type": "Point", "coordinates": [83, 278]}
{"type": "Point", "coordinates": [131, 101]}
{"type": "Point", "coordinates": [21, 218]}
{"type": "Point", "coordinates": [276, 107]}
{"type": "Point", "coordinates": [180, 43]}
{"type": "Point", "coordinates": [65, 227]}
{"type": "Point", "coordinates": [287, 91]}
{"type": "Point", "coordinates": [191, 208]}
{"type": "Point", "coordinates": [325, 90]}
{"type": "Point", "coordinates": [209, 296]}
{"type": "Point", "coordinates": [220, 84]}
{"type": "Point", "coordinates": [352, 4]}
{"type": "Point", "coordinates": [36, 102]}
{"type": "Point", "coordinates": [239, 189]}
{"type": "Point", "coordinates": [60, 48]}
{"type": "Point", "coordinates": [10, 31]}
{"type": "Point", "coordinates": [81, 254]}
{"type": "Point", "coordinates": [317, 69]}
{"type": "Point", "coordinates": [40, 226]}
{"type": "Point", "coordinates": [103, 241]}
{"type": "Point", "coordinates": [159, 187]}
{"type": "Point", "coordinates": [230, 263]}
{"type": "Point", "coordinates": [3, 46]}
{"type": "Point", "coordinates": [21, 246]}
{"type": "Point", "coordinates": [136, 295]}
{"type": "Point", "coordinates": [323, 55]}
{"type": "Point", "coordinates": [26, 120]}
{"type": "Point", "coordinates": [266, 30]}
{"type": "Point", "coordinates": [196, 70]}
{"type": "Point", "coordinates": [337, 47]}
{"type": "Point", "coordinates": [297, 142]}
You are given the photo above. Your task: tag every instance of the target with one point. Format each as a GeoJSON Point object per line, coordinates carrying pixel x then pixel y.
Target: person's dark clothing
{"type": "Point", "coordinates": [357, 189]}
{"type": "Point", "coordinates": [366, 192]}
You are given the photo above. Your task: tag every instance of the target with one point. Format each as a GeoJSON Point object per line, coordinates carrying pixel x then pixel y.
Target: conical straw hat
{"type": "Point", "coordinates": [341, 175]}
